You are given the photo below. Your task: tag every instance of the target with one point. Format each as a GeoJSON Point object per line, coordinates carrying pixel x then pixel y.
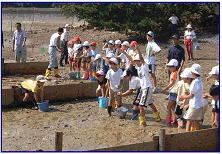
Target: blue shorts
{"type": "Point", "coordinates": [172, 97]}
{"type": "Point", "coordinates": [25, 90]}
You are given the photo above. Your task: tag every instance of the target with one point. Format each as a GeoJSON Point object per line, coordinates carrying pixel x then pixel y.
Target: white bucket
{"type": "Point", "coordinates": [121, 112]}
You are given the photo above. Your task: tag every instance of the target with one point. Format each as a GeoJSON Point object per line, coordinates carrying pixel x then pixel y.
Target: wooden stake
{"type": "Point", "coordinates": [58, 141]}
{"type": "Point", "coordinates": [162, 140]}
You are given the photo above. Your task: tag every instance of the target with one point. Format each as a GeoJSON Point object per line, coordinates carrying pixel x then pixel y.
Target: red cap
{"type": "Point", "coordinates": [76, 39]}
{"type": "Point", "coordinates": [133, 43]}
{"type": "Point", "coordinates": [93, 43]}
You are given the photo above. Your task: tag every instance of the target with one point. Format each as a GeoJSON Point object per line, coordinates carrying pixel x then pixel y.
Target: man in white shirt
{"type": "Point", "coordinates": [64, 41]}
{"type": "Point", "coordinates": [53, 46]}
{"type": "Point", "coordinates": [151, 50]}
{"type": "Point", "coordinates": [19, 44]}
{"type": "Point", "coordinates": [174, 24]}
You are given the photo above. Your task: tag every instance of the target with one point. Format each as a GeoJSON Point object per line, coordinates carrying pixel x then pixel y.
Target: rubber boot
{"type": "Point", "coordinates": [173, 119]}
{"type": "Point", "coordinates": [142, 120]}
{"type": "Point", "coordinates": [135, 114]}
{"type": "Point", "coordinates": [84, 76]}
{"type": "Point", "coordinates": [56, 73]}
{"type": "Point", "coordinates": [192, 129]}
{"type": "Point", "coordinates": [109, 109]}
{"type": "Point", "coordinates": [168, 121]}
{"type": "Point", "coordinates": [78, 76]}
{"type": "Point", "coordinates": [156, 115]}
{"type": "Point", "coordinates": [87, 76]}
{"type": "Point", "coordinates": [47, 73]}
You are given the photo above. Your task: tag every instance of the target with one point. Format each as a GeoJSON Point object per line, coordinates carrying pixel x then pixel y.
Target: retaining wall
{"type": "Point", "coordinates": [28, 68]}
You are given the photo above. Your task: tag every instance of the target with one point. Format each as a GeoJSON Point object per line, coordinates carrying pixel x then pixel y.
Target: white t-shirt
{"type": "Point", "coordinates": [174, 19]}
{"type": "Point", "coordinates": [189, 34]}
{"type": "Point", "coordinates": [53, 40]}
{"type": "Point", "coordinates": [134, 83]}
{"type": "Point", "coordinates": [19, 38]}
{"type": "Point", "coordinates": [108, 50]}
{"type": "Point", "coordinates": [71, 52]}
{"type": "Point", "coordinates": [196, 88]}
{"type": "Point", "coordinates": [151, 48]}
{"type": "Point", "coordinates": [124, 59]}
{"type": "Point", "coordinates": [115, 78]}
{"type": "Point", "coordinates": [143, 74]}
{"type": "Point", "coordinates": [64, 35]}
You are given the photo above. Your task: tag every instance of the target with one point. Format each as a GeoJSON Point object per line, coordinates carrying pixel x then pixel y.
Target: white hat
{"type": "Point", "coordinates": [110, 55]}
{"type": "Point", "coordinates": [98, 56]}
{"type": "Point", "coordinates": [126, 43]}
{"type": "Point", "coordinates": [114, 60]}
{"type": "Point", "coordinates": [77, 47]}
{"type": "Point", "coordinates": [117, 42]}
{"type": "Point", "coordinates": [215, 70]}
{"type": "Point", "coordinates": [136, 57]}
{"type": "Point", "coordinates": [110, 42]}
{"type": "Point", "coordinates": [68, 25]}
{"type": "Point", "coordinates": [173, 62]}
{"type": "Point", "coordinates": [98, 73]}
{"type": "Point", "coordinates": [86, 44]}
{"type": "Point", "coordinates": [150, 33]}
{"type": "Point", "coordinates": [41, 78]}
{"type": "Point", "coordinates": [189, 26]}
{"type": "Point", "coordinates": [196, 68]}
{"type": "Point", "coordinates": [186, 73]}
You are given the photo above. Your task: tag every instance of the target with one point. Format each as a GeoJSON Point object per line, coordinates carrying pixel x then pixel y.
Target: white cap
{"type": "Point", "coordinates": [41, 78]}
{"type": "Point", "coordinates": [136, 57]}
{"type": "Point", "coordinates": [68, 25]}
{"type": "Point", "coordinates": [110, 42]}
{"type": "Point", "coordinates": [86, 44]}
{"type": "Point", "coordinates": [98, 73]}
{"type": "Point", "coordinates": [77, 47]}
{"type": "Point", "coordinates": [98, 56]}
{"type": "Point", "coordinates": [215, 70]}
{"type": "Point", "coordinates": [151, 34]}
{"type": "Point", "coordinates": [189, 26]}
{"type": "Point", "coordinates": [196, 68]}
{"type": "Point", "coordinates": [114, 60]}
{"type": "Point", "coordinates": [126, 43]}
{"type": "Point", "coordinates": [110, 55]}
{"type": "Point", "coordinates": [173, 62]}
{"type": "Point", "coordinates": [117, 42]}
{"type": "Point", "coordinates": [186, 73]}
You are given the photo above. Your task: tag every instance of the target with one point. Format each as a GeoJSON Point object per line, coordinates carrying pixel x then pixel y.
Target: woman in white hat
{"type": "Point", "coordinates": [189, 37]}
{"type": "Point", "coordinates": [197, 104]}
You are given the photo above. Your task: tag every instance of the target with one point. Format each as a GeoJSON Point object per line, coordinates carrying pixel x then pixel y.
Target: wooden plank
{"type": "Point", "coordinates": [58, 141]}
{"type": "Point", "coordinates": [162, 140]}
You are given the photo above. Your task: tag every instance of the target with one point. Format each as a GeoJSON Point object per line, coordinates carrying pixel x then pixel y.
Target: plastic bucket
{"type": "Point", "coordinates": [121, 112]}
{"type": "Point", "coordinates": [44, 106]}
{"type": "Point", "coordinates": [197, 47]}
{"type": "Point", "coordinates": [103, 102]}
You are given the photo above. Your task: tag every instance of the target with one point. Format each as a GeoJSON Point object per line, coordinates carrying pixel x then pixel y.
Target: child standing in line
{"type": "Point", "coordinates": [195, 111]}
{"type": "Point", "coordinates": [144, 98]}
{"type": "Point", "coordinates": [117, 47]}
{"type": "Point", "coordinates": [106, 61]}
{"type": "Point", "coordinates": [182, 87]}
{"type": "Point", "coordinates": [71, 56]}
{"type": "Point", "coordinates": [93, 53]}
{"type": "Point", "coordinates": [86, 59]}
{"type": "Point", "coordinates": [172, 66]}
{"type": "Point", "coordinates": [115, 85]}
{"type": "Point", "coordinates": [124, 61]}
{"type": "Point", "coordinates": [134, 84]}
{"type": "Point", "coordinates": [102, 89]}
{"type": "Point", "coordinates": [109, 47]}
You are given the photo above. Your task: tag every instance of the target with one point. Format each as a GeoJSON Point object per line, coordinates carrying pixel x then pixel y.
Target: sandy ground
{"type": "Point", "coordinates": [84, 124]}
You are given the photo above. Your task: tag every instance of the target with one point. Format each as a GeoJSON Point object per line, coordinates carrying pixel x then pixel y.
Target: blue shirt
{"type": "Point", "coordinates": [176, 52]}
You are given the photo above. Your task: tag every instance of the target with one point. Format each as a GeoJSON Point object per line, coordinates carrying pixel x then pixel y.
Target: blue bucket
{"type": "Point", "coordinates": [197, 47]}
{"type": "Point", "coordinates": [44, 106]}
{"type": "Point", "coordinates": [103, 102]}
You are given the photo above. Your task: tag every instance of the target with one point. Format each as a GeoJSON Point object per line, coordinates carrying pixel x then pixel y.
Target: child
{"type": "Point", "coordinates": [134, 84]}
{"type": "Point", "coordinates": [106, 61]}
{"type": "Point", "coordinates": [71, 56]}
{"type": "Point", "coordinates": [133, 50]}
{"type": "Point", "coordinates": [172, 66]}
{"type": "Point", "coordinates": [109, 47]}
{"type": "Point", "coordinates": [182, 88]}
{"type": "Point", "coordinates": [124, 61]}
{"type": "Point", "coordinates": [102, 89]}
{"type": "Point", "coordinates": [144, 97]}
{"type": "Point", "coordinates": [93, 54]}
{"type": "Point", "coordinates": [86, 59]}
{"type": "Point", "coordinates": [195, 111]}
{"type": "Point", "coordinates": [115, 85]}
{"type": "Point", "coordinates": [117, 47]}
{"type": "Point", "coordinates": [189, 37]}
{"type": "Point", "coordinates": [214, 74]}
{"type": "Point", "coordinates": [36, 87]}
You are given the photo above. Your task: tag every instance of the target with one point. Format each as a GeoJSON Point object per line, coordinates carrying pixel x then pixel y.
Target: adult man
{"type": "Point", "coordinates": [151, 50]}
{"type": "Point", "coordinates": [19, 44]}
{"type": "Point", "coordinates": [176, 52]}
{"type": "Point", "coordinates": [64, 41]}
{"type": "Point", "coordinates": [174, 24]}
{"type": "Point", "coordinates": [53, 46]}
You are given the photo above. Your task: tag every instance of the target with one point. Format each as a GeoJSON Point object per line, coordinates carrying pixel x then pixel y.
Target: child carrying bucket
{"type": "Point", "coordinates": [102, 90]}
{"type": "Point", "coordinates": [114, 84]}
